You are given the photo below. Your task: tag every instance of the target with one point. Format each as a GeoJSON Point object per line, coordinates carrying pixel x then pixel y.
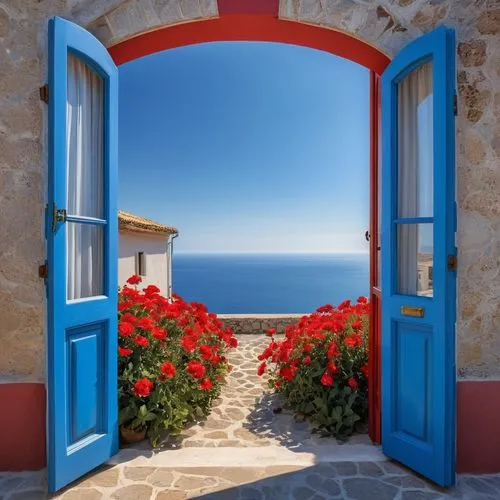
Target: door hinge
{"type": "Point", "coordinates": [43, 271]}
{"type": "Point", "coordinates": [455, 105]}
{"type": "Point", "coordinates": [452, 262]}
{"type": "Point", "coordinates": [44, 93]}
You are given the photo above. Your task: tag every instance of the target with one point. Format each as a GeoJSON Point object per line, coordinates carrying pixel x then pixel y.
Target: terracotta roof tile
{"type": "Point", "coordinates": [134, 223]}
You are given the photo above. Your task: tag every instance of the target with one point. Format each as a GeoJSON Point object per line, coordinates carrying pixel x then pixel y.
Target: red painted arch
{"type": "Point", "coordinates": [255, 26]}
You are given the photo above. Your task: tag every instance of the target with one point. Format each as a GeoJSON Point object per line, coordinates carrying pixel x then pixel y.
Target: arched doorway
{"type": "Point", "coordinates": [261, 25]}
{"type": "Point", "coordinates": [414, 355]}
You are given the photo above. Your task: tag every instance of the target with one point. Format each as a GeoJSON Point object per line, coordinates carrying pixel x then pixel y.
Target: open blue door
{"type": "Point", "coordinates": [419, 257]}
{"type": "Point", "coordinates": [82, 254]}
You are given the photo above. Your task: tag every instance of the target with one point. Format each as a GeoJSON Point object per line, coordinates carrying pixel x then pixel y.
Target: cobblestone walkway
{"type": "Point", "coordinates": [261, 455]}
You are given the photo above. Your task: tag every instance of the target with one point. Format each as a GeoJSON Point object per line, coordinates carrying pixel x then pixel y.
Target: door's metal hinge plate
{"type": "Point", "coordinates": [43, 271]}
{"type": "Point", "coordinates": [455, 105]}
{"type": "Point", "coordinates": [44, 93]}
{"type": "Point", "coordinates": [452, 263]}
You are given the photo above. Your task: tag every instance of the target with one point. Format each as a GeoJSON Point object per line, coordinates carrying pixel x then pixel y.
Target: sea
{"type": "Point", "coordinates": [269, 283]}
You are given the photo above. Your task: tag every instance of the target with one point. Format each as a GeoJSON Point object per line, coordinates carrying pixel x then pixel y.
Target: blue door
{"type": "Point", "coordinates": [419, 257]}
{"type": "Point", "coordinates": [82, 254]}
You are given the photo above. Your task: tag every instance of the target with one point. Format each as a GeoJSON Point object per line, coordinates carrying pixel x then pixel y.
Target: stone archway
{"type": "Point", "coordinates": [386, 24]}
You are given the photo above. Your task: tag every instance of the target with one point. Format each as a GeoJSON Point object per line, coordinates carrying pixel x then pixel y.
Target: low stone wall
{"type": "Point", "coordinates": [258, 323]}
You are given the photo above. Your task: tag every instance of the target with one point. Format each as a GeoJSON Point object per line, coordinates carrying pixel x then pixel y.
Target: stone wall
{"type": "Point", "coordinates": [388, 24]}
{"type": "Point", "coordinates": [258, 323]}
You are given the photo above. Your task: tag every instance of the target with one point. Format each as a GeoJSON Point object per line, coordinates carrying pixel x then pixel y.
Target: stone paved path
{"type": "Point", "coordinates": [261, 455]}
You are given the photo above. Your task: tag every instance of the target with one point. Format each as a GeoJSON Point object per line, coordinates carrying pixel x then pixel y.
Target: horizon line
{"type": "Point", "coordinates": [199, 252]}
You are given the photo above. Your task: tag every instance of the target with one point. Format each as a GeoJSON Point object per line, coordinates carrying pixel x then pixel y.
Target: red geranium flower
{"type": "Point", "coordinates": [352, 383]}
{"type": "Point", "coordinates": [143, 387]}
{"type": "Point", "coordinates": [333, 350]}
{"type": "Point", "coordinates": [271, 332]}
{"type": "Point", "coordinates": [151, 290]}
{"type": "Point", "coordinates": [145, 323]}
{"type": "Point", "coordinates": [362, 300]}
{"type": "Point", "coordinates": [141, 341]}
{"type": "Point", "coordinates": [123, 351]}
{"type": "Point", "coordinates": [327, 379]}
{"type": "Point", "coordinates": [327, 308]}
{"type": "Point", "coordinates": [364, 370]}
{"type": "Point", "coordinates": [168, 369]}
{"type": "Point", "coordinates": [353, 340]}
{"type": "Point", "coordinates": [233, 342]}
{"type": "Point", "coordinates": [331, 367]}
{"type": "Point", "coordinates": [206, 384]}
{"type": "Point", "coordinates": [134, 280]}
{"type": "Point", "coordinates": [206, 352]}
{"type": "Point", "coordinates": [344, 305]}
{"type": "Point", "coordinates": [288, 372]}
{"type": "Point", "coordinates": [159, 333]}
{"type": "Point", "coordinates": [195, 369]}
{"type": "Point", "coordinates": [129, 318]}
{"type": "Point", "coordinates": [357, 325]}
{"type": "Point", "coordinates": [261, 369]}
{"type": "Point", "coordinates": [188, 343]}
{"type": "Point", "coordinates": [125, 329]}
{"type": "Point", "coordinates": [307, 360]}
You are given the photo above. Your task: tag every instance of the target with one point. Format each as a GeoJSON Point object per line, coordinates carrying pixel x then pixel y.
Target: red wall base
{"type": "Point", "coordinates": [22, 427]}
{"type": "Point", "coordinates": [478, 426]}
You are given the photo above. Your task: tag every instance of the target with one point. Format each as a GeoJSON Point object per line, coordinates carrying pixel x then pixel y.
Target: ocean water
{"type": "Point", "coordinates": [269, 283]}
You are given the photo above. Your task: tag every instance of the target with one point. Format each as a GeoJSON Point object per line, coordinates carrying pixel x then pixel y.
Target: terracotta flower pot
{"type": "Point", "coordinates": [130, 436]}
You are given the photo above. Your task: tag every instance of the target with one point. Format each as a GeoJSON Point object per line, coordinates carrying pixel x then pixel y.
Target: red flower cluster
{"type": "Point", "coordinates": [168, 346]}
{"type": "Point", "coordinates": [324, 350]}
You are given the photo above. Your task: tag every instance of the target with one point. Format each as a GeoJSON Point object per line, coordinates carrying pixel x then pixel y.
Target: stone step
{"type": "Point", "coordinates": [248, 457]}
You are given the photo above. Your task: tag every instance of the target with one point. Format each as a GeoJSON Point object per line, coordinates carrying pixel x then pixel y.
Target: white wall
{"type": "Point", "coordinates": [155, 250]}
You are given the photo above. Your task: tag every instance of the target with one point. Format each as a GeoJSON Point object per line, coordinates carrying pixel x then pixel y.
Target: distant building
{"type": "Point", "coordinates": [145, 249]}
{"type": "Point", "coordinates": [425, 268]}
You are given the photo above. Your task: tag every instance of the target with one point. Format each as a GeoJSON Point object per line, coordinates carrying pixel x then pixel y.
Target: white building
{"type": "Point", "coordinates": [145, 249]}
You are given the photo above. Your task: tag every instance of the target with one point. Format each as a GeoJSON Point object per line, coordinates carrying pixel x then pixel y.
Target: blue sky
{"type": "Point", "coordinates": [247, 147]}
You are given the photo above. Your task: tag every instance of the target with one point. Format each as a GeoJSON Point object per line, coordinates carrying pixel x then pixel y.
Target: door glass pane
{"type": "Point", "coordinates": [415, 259]}
{"type": "Point", "coordinates": [415, 143]}
{"type": "Point", "coordinates": [85, 260]}
{"type": "Point", "coordinates": [84, 140]}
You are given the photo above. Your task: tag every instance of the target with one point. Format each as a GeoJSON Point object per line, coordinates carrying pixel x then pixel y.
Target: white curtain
{"type": "Point", "coordinates": [415, 170]}
{"type": "Point", "coordinates": [84, 179]}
